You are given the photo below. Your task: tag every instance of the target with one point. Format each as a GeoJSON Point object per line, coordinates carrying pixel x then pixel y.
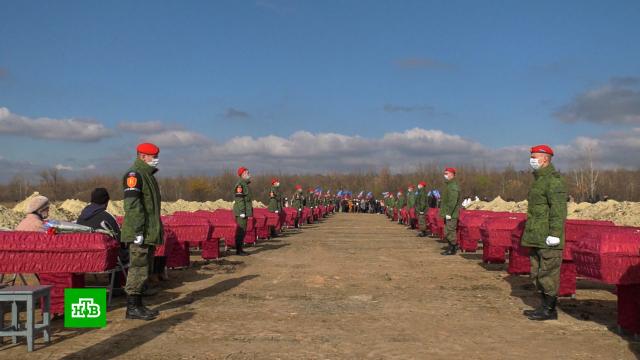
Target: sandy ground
{"type": "Point", "coordinates": [353, 287]}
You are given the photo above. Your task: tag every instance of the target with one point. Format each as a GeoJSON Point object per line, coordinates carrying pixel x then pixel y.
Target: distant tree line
{"type": "Point", "coordinates": [584, 184]}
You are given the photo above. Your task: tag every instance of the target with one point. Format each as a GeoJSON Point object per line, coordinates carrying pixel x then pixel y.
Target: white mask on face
{"type": "Point", "coordinates": [534, 163]}
{"type": "Point", "coordinates": [154, 162]}
{"type": "Point", "coordinates": [446, 178]}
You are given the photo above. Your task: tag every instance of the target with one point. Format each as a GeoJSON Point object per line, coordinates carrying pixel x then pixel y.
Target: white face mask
{"type": "Point", "coordinates": [534, 163]}
{"type": "Point", "coordinates": [446, 178]}
{"type": "Point", "coordinates": [154, 162]}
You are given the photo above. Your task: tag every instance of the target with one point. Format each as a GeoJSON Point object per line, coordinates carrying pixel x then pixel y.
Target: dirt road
{"type": "Point", "coordinates": [353, 287]}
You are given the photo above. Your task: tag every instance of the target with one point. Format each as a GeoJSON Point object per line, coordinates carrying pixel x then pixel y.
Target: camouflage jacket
{"type": "Point", "coordinates": [141, 205]}
{"type": "Point", "coordinates": [451, 200]}
{"type": "Point", "coordinates": [243, 203]}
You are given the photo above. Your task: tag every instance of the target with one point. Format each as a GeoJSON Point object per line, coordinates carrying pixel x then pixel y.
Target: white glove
{"type": "Point", "coordinates": [243, 216]}
{"type": "Point", "coordinates": [277, 211]}
{"type": "Point", "coordinates": [139, 240]}
{"type": "Point", "coordinates": [421, 212]}
{"type": "Point", "coordinates": [299, 209]}
{"type": "Point", "coordinates": [552, 241]}
{"type": "Point", "coordinates": [448, 217]}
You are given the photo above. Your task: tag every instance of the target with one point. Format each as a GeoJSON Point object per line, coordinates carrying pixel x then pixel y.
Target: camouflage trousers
{"type": "Point", "coordinates": [422, 222]}
{"type": "Point", "coordinates": [545, 269]}
{"type": "Point", "coordinates": [240, 234]}
{"type": "Point", "coordinates": [450, 231]}
{"type": "Point", "coordinates": [140, 265]}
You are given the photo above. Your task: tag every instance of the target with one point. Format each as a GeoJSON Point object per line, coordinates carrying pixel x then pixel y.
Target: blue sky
{"type": "Point", "coordinates": [501, 75]}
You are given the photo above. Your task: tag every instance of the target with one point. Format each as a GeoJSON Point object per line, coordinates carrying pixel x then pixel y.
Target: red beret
{"type": "Point", "coordinates": [545, 149]}
{"type": "Point", "coordinates": [450, 169]}
{"type": "Point", "coordinates": [274, 180]}
{"type": "Point", "coordinates": [241, 170]}
{"type": "Point", "coordinates": [423, 183]}
{"type": "Point", "coordinates": [298, 187]}
{"type": "Point", "coordinates": [148, 149]}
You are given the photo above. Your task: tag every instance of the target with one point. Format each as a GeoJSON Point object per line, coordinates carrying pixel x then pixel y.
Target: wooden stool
{"type": "Point", "coordinates": [29, 295]}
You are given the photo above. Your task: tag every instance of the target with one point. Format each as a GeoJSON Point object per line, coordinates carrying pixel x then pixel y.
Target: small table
{"type": "Point", "coordinates": [29, 295]}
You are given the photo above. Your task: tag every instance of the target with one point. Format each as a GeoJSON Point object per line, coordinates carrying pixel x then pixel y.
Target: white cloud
{"type": "Point", "coordinates": [143, 127]}
{"type": "Point", "coordinates": [63, 167]}
{"type": "Point", "coordinates": [55, 129]}
{"type": "Point", "coordinates": [617, 102]}
{"type": "Point", "coordinates": [176, 139]}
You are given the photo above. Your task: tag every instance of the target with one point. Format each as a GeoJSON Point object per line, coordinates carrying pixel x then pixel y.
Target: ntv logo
{"type": "Point", "coordinates": [85, 308]}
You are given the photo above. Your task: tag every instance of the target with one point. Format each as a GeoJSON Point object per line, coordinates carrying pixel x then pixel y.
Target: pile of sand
{"type": "Point", "coordinates": [622, 213]}
{"type": "Point", "coordinates": [9, 219]}
{"type": "Point", "coordinates": [69, 210]}
{"type": "Point", "coordinates": [73, 206]}
{"type": "Point", "coordinates": [55, 212]}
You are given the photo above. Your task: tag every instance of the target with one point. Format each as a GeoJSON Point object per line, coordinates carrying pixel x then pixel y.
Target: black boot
{"type": "Point", "coordinates": [548, 310]}
{"type": "Point", "coordinates": [148, 311]}
{"type": "Point", "coordinates": [447, 251]}
{"type": "Point", "coordinates": [537, 309]}
{"type": "Point", "coordinates": [451, 250]}
{"type": "Point", "coordinates": [422, 234]}
{"type": "Point", "coordinates": [134, 311]}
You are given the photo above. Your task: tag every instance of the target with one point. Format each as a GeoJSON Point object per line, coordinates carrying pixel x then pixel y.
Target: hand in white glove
{"type": "Point", "coordinates": [277, 211]}
{"type": "Point", "coordinates": [552, 241]}
{"type": "Point", "coordinates": [448, 217]}
{"type": "Point", "coordinates": [243, 216]}
{"type": "Point", "coordinates": [139, 240]}
{"type": "Point", "coordinates": [421, 212]}
{"type": "Point", "coordinates": [299, 209]}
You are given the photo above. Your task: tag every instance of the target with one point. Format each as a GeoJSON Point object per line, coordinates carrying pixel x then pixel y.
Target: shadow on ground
{"type": "Point", "coordinates": [128, 340]}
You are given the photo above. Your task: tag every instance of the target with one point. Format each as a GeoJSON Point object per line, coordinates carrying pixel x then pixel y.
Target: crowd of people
{"type": "Point", "coordinates": [142, 231]}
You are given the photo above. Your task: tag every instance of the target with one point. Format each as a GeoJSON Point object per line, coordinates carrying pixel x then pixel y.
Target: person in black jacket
{"type": "Point", "coordinates": [95, 215]}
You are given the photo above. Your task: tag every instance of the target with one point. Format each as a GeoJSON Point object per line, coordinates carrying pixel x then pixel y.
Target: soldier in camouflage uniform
{"type": "Point", "coordinates": [450, 210]}
{"type": "Point", "coordinates": [391, 203]}
{"type": "Point", "coordinates": [400, 206]}
{"type": "Point", "coordinates": [297, 202]}
{"type": "Point", "coordinates": [544, 231]}
{"type": "Point", "coordinates": [141, 229]}
{"type": "Point", "coordinates": [411, 204]}
{"type": "Point", "coordinates": [242, 207]}
{"type": "Point", "coordinates": [275, 200]}
{"type": "Point", "coordinates": [421, 208]}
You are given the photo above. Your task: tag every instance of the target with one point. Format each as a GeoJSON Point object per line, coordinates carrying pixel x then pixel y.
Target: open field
{"type": "Point", "coordinates": [355, 286]}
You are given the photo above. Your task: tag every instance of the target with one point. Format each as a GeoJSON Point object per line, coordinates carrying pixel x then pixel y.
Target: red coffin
{"type": "Point", "coordinates": [519, 263]}
{"type": "Point", "coordinates": [575, 230]}
{"type": "Point", "coordinates": [469, 227]}
{"type": "Point", "coordinates": [223, 222]}
{"type": "Point", "coordinates": [34, 252]}
{"type": "Point", "coordinates": [291, 215]}
{"type": "Point", "coordinates": [612, 256]}
{"type": "Point", "coordinates": [495, 233]}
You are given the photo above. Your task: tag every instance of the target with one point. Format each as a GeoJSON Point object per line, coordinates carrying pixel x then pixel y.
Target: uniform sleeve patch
{"type": "Point", "coordinates": [132, 181]}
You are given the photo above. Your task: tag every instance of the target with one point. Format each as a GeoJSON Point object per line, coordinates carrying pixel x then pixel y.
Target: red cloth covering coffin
{"type": "Point", "coordinates": [576, 229]}
{"type": "Point", "coordinates": [274, 220]}
{"type": "Point", "coordinates": [176, 252]}
{"type": "Point", "coordinates": [223, 222]}
{"type": "Point", "coordinates": [469, 225]}
{"type": "Point", "coordinates": [60, 281]}
{"type": "Point", "coordinates": [629, 308]}
{"type": "Point", "coordinates": [404, 215]}
{"type": "Point", "coordinates": [262, 229]}
{"type": "Point", "coordinates": [519, 263]}
{"type": "Point", "coordinates": [306, 215]}
{"type": "Point", "coordinates": [194, 231]}
{"type": "Point", "coordinates": [435, 222]}
{"type": "Point", "coordinates": [495, 233]}
{"type": "Point", "coordinates": [611, 256]}
{"type": "Point", "coordinates": [568, 277]}
{"type": "Point", "coordinates": [35, 252]}
{"type": "Point", "coordinates": [395, 214]}
{"type": "Point", "coordinates": [291, 214]}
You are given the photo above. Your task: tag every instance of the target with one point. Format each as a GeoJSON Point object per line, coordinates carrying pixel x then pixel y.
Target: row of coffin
{"type": "Point", "coordinates": [596, 250]}
{"type": "Point", "coordinates": [62, 260]}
